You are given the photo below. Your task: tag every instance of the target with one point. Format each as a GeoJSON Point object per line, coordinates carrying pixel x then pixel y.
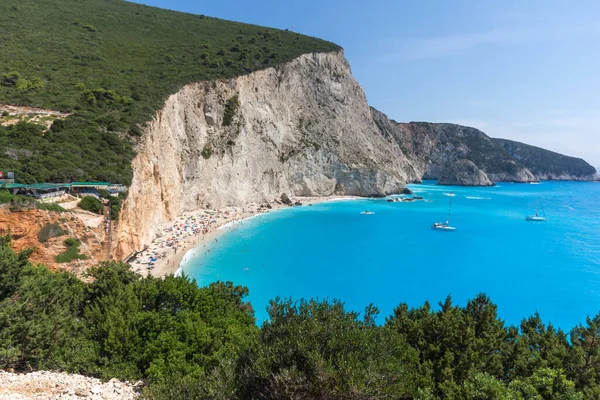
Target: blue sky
{"type": "Point", "coordinates": [523, 70]}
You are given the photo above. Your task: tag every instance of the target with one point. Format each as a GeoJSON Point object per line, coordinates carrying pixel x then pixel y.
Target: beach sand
{"type": "Point", "coordinates": [178, 239]}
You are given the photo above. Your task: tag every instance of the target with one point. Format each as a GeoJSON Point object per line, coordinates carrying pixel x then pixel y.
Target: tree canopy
{"type": "Point", "coordinates": [190, 342]}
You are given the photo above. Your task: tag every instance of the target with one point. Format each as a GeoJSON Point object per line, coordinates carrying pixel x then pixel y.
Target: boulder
{"type": "Point", "coordinates": [464, 173]}
{"type": "Point", "coordinates": [286, 200]}
{"type": "Point", "coordinates": [208, 115]}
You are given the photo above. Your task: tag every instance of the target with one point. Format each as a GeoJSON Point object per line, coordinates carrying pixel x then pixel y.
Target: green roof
{"type": "Point", "coordinates": [45, 186]}
{"type": "Point", "coordinates": [91, 184]}
{"type": "Point", "coordinates": [13, 185]}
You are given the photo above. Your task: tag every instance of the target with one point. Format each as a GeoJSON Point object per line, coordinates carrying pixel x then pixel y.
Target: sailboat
{"type": "Point", "coordinates": [445, 226]}
{"type": "Point", "coordinates": [537, 217]}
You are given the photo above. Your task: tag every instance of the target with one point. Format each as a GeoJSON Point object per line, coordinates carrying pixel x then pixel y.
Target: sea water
{"type": "Point", "coordinates": [331, 250]}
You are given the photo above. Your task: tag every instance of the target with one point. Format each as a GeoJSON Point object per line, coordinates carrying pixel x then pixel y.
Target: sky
{"type": "Point", "coordinates": [522, 70]}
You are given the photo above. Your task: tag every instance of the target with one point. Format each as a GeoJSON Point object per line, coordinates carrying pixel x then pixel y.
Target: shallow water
{"type": "Point", "coordinates": [332, 250]}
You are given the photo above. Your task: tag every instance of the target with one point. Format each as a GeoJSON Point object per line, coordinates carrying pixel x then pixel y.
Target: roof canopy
{"type": "Point", "coordinates": [90, 184]}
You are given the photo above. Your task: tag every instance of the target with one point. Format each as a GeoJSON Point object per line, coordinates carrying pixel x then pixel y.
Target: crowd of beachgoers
{"type": "Point", "coordinates": [165, 254]}
{"type": "Point", "coordinates": [185, 232]}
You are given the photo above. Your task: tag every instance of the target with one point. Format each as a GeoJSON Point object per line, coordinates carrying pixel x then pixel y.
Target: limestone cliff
{"type": "Point", "coordinates": [434, 147]}
{"type": "Point", "coordinates": [304, 129]}
{"type": "Point", "coordinates": [548, 165]}
{"type": "Point", "coordinates": [464, 173]}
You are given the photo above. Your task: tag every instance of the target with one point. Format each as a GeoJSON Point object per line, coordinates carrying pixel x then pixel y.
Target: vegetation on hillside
{"type": "Point", "coordinates": [189, 342]}
{"type": "Point", "coordinates": [71, 252]}
{"type": "Point", "coordinates": [113, 64]}
{"type": "Point", "coordinates": [91, 204]}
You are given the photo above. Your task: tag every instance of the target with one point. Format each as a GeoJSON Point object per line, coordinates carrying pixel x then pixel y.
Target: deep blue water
{"type": "Point", "coordinates": [331, 250]}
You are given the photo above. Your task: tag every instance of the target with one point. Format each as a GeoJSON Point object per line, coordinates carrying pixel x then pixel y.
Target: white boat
{"type": "Point", "coordinates": [367, 212]}
{"type": "Point", "coordinates": [445, 226]}
{"type": "Point", "coordinates": [537, 217]}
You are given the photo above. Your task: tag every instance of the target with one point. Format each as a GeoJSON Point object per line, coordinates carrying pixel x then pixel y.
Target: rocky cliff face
{"type": "Point", "coordinates": [464, 173]}
{"type": "Point", "coordinates": [304, 129]}
{"type": "Point", "coordinates": [548, 165]}
{"type": "Point", "coordinates": [434, 148]}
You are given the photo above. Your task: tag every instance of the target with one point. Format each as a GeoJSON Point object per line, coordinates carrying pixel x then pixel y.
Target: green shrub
{"type": "Point", "coordinates": [6, 196]}
{"type": "Point", "coordinates": [50, 207]}
{"type": "Point", "coordinates": [50, 231]}
{"type": "Point", "coordinates": [92, 204]}
{"type": "Point", "coordinates": [71, 253]}
{"type": "Point", "coordinates": [206, 152]}
{"type": "Point", "coordinates": [231, 107]}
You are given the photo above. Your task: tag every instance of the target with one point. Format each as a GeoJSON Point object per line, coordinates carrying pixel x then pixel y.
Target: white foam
{"type": "Point", "coordinates": [477, 198]}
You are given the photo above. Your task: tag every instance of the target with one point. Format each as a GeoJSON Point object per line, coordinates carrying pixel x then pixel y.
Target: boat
{"type": "Point", "coordinates": [445, 226]}
{"type": "Point", "coordinates": [367, 212]}
{"type": "Point", "coordinates": [537, 217]}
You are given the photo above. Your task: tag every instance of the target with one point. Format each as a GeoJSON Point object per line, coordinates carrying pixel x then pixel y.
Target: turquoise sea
{"type": "Point", "coordinates": [332, 250]}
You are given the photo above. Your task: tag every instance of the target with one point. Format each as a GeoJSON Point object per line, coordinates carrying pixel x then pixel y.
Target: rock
{"type": "Point", "coordinates": [464, 173]}
{"type": "Point", "coordinates": [208, 115]}
{"type": "Point", "coordinates": [54, 385]}
{"type": "Point", "coordinates": [285, 199]}
{"type": "Point", "coordinates": [269, 206]}
{"type": "Point", "coordinates": [406, 191]}
{"type": "Point", "coordinates": [96, 389]}
{"type": "Point", "coordinates": [297, 203]}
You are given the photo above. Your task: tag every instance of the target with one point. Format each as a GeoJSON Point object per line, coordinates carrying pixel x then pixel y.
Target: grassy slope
{"type": "Point", "coordinates": [80, 48]}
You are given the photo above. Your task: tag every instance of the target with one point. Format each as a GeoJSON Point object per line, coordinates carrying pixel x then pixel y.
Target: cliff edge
{"type": "Point", "coordinates": [304, 128]}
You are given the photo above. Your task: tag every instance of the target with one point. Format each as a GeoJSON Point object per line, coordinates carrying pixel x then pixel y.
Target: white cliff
{"type": "Point", "coordinates": [304, 129]}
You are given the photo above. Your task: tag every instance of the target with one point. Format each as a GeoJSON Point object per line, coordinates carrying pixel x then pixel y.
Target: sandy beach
{"type": "Point", "coordinates": [178, 239]}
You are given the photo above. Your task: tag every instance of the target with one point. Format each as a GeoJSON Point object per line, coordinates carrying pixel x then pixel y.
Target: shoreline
{"type": "Point", "coordinates": [179, 238]}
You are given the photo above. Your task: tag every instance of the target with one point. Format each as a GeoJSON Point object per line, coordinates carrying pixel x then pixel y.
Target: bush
{"type": "Point", "coordinates": [50, 207]}
{"type": "Point", "coordinates": [230, 108]}
{"type": "Point", "coordinates": [92, 204]}
{"type": "Point", "coordinates": [72, 252]}
{"type": "Point", "coordinates": [50, 231]}
{"type": "Point", "coordinates": [206, 152]}
{"type": "Point", "coordinates": [6, 196]}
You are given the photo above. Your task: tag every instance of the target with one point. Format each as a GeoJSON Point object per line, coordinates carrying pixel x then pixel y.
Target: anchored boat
{"type": "Point", "coordinates": [537, 217]}
{"type": "Point", "coordinates": [445, 226]}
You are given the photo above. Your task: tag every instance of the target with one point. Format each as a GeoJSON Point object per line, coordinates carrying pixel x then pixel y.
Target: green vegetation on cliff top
{"type": "Point", "coordinates": [113, 64]}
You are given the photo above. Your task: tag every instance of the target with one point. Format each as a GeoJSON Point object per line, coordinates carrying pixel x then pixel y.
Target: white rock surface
{"type": "Point", "coordinates": [42, 385]}
{"type": "Point", "coordinates": [304, 129]}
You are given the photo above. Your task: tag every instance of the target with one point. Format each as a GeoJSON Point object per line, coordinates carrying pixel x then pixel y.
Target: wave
{"type": "Point", "coordinates": [478, 198]}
